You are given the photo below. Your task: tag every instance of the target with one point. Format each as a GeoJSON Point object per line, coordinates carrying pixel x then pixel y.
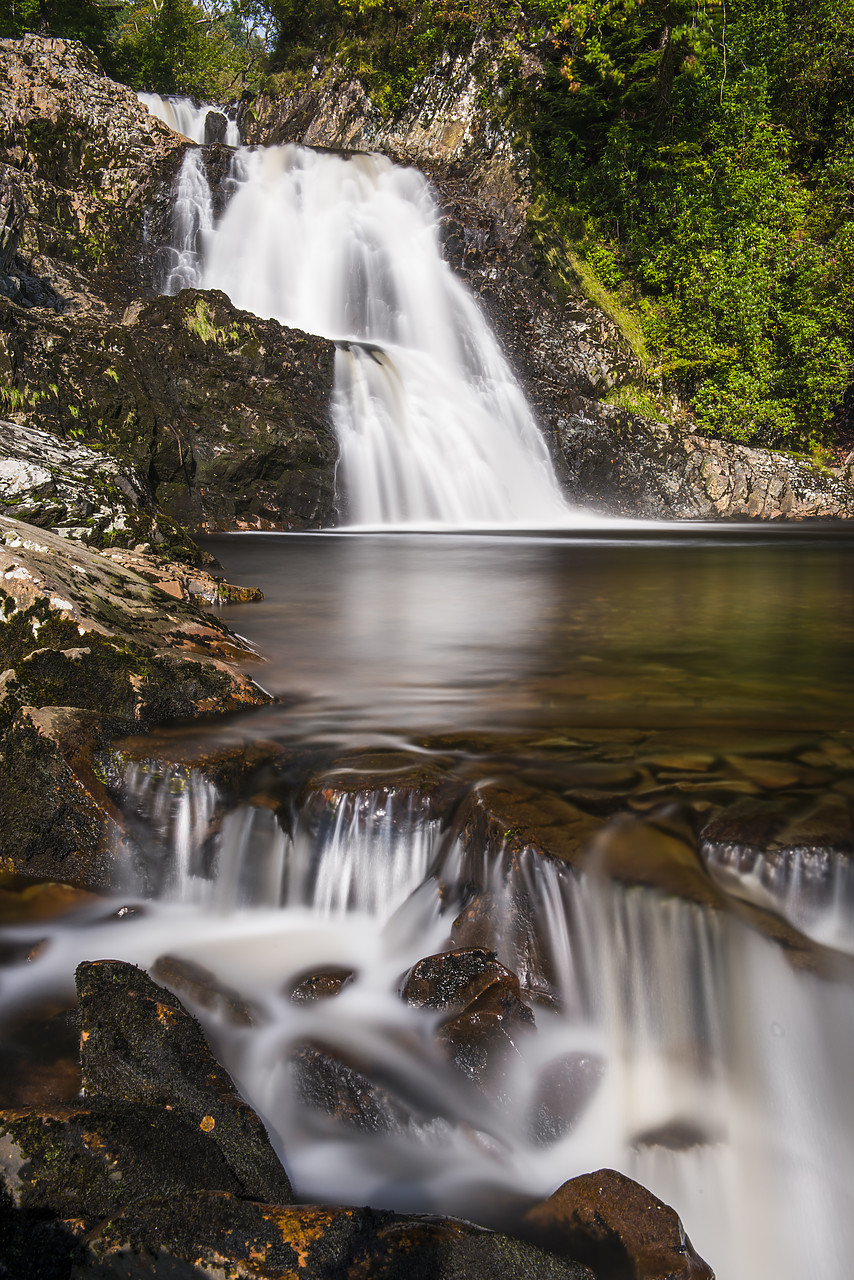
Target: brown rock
{"type": "Point", "coordinates": [617, 1227]}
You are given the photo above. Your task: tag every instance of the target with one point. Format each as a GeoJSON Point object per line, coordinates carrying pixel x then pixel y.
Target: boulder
{"type": "Point", "coordinates": [225, 415]}
{"type": "Point", "coordinates": [138, 1045]}
{"type": "Point", "coordinates": [617, 1227]}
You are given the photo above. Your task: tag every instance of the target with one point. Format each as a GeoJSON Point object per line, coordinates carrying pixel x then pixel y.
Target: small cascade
{"type": "Point", "coordinates": [433, 427]}
{"type": "Point", "coordinates": [185, 117]}
{"type": "Point", "coordinates": [812, 888]}
{"type": "Point", "coordinates": [668, 1041]}
{"type": "Point", "coordinates": [362, 852]}
{"type": "Point", "coordinates": [192, 223]}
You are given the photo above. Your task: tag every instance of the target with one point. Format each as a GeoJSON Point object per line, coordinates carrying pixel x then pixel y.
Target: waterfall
{"type": "Point", "coordinates": [182, 115]}
{"type": "Point", "coordinates": [434, 429]}
{"type": "Point", "coordinates": [670, 1041]}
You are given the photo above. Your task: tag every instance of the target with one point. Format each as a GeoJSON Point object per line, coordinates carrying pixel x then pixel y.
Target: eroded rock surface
{"type": "Point", "coordinates": [226, 416]}
{"type": "Point", "coordinates": [627, 466]}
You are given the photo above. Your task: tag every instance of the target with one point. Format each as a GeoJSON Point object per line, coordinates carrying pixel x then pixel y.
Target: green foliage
{"type": "Point", "coordinates": [701, 157]}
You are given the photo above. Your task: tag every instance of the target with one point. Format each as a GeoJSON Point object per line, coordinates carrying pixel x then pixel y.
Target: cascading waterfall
{"type": "Point", "coordinates": [671, 1042]}
{"type": "Point", "coordinates": [433, 427]}
{"type": "Point", "coordinates": [182, 115]}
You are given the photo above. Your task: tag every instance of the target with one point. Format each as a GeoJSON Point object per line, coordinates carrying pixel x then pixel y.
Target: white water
{"type": "Point", "coordinates": [182, 115]}
{"type": "Point", "coordinates": [433, 427]}
{"type": "Point", "coordinates": [671, 1042]}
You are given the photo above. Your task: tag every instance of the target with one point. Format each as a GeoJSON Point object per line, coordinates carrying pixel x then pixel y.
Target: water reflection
{"type": "Point", "coordinates": [468, 632]}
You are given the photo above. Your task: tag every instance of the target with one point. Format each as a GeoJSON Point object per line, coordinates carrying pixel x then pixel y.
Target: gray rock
{"type": "Point", "coordinates": [629, 466]}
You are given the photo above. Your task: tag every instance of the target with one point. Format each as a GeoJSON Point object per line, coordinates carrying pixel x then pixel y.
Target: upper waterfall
{"type": "Point", "coordinates": [182, 115]}
{"type": "Point", "coordinates": [433, 427]}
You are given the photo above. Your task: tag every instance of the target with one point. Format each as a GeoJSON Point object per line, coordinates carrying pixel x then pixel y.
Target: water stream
{"type": "Point", "coordinates": [517, 743]}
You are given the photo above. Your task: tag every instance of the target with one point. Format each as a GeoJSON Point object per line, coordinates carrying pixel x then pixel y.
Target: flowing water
{"type": "Point", "coordinates": [186, 117]}
{"type": "Point", "coordinates": [622, 760]}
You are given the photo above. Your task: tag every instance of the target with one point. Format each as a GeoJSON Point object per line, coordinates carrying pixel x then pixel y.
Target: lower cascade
{"type": "Point", "coordinates": [434, 429]}
{"type": "Point", "coordinates": [650, 1035]}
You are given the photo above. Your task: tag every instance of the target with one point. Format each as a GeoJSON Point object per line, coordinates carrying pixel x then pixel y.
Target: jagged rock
{"type": "Point", "coordinates": [617, 1227]}
{"type": "Point", "coordinates": [628, 466]}
{"type": "Point", "coordinates": [88, 159]}
{"type": "Point", "coordinates": [226, 415]}
{"type": "Point", "coordinates": [139, 1045]}
{"type": "Point", "coordinates": [216, 125]}
{"type": "Point", "coordinates": [13, 213]}
{"type": "Point", "coordinates": [65, 486]}
{"type": "Point", "coordinates": [87, 649]}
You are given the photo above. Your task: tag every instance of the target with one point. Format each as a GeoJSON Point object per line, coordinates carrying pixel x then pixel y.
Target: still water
{"type": "Point", "coordinates": [622, 759]}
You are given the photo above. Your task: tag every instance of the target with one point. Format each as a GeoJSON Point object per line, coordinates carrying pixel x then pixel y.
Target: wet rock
{"type": "Point", "coordinates": [56, 818]}
{"type": "Point", "coordinates": [633, 467]}
{"type": "Point", "coordinates": [617, 1228]}
{"type": "Point", "coordinates": [226, 415]}
{"type": "Point", "coordinates": [563, 1090]}
{"type": "Point", "coordinates": [216, 126]}
{"type": "Point", "coordinates": [139, 1045]}
{"type": "Point", "coordinates": [195, 983]}
{"type": "Point", "coordinates": [483, 1008]}
{"type": "Point", "coordinates": [200, 1235]}
{"type": "Point", "coordinates": [321, 986]}
{"type": "Point", "coordinates": [347, 1092]}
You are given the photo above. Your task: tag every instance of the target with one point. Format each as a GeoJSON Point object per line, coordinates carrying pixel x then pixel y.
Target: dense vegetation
{"type": "Point", "coordinates": [697, 156]}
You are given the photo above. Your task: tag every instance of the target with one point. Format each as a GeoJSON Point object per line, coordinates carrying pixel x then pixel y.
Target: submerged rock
{"type": "Point", "coordinates": [618, 1228]}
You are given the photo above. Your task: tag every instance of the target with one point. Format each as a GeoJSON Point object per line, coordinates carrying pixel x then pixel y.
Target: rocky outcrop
{"type": "Point", "coordinates": [76, 491]}
{"type": "Point", "coordinates": [88, 647]}
{"type": "Point", "coordinates": [225, 417]}
{"type": "Point", "coordinates": [624, 465]}
{"type": "Point", "coordinates": [90, 163]}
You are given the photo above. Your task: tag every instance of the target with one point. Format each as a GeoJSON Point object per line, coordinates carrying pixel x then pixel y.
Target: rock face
{"type": "Point", "coordinates": [88, 647]}
{"type": "Point", "coordinates": [87, 159]}
{"type": "Point", "coordinates": [627, 466]}
{"type": "Point", "coordinates": [567, 352]}
{"type": "Point", "coordinates": [224, 415]}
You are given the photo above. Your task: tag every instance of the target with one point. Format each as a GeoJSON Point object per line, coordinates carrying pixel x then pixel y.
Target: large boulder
{"type": "Point", "coordinates": [618, 1228]}
{"type": "Point", "coordinates": [225, 415]}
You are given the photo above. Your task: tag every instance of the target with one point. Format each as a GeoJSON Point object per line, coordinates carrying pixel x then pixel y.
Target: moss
{"type": "Point", "coordinates": [569, 271]}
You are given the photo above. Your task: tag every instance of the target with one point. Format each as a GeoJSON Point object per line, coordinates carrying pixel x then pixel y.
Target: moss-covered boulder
{"type": "Point", "coordinates": [224, 416]}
